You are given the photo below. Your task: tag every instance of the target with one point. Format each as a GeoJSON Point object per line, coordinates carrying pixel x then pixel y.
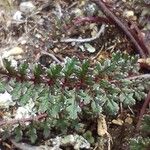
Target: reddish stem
{"type": "Point", "coordinates": [146, 102]}
{"type": "Point", "coordinates": [139, 38]}
{"type": "Point", "coordinates": [122, 26]}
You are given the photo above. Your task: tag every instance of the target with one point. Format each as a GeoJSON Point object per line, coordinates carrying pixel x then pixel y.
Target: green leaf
{"type": "Point", "coordinates": [98, 68]}
{"type": "Point", "coordinates": [107, 63]}
{"type": "Point", "coordinates": [111, 107]}
{"type": "Point", "coordinates": [46, 131]}
{"type": "Point", "coordinates": [24, 98]}
{"type": "Point", "coordinates": [57, 105]}
{"type": "Point", "coordinates": [55, 110]}
{"type": "Point", "coordinates": [96, 108]}
{"type": "Point", "coordinates": [138, 96]}
{"type": "Point", "coordinates": [72, 108]}
{"type": "Point", "coordinates": [23, 68]}
{"type": "Point", "coordinates": [8, 66]}
{"type": "Point", "coordinates": [116, 56]}
{"type": "Point", "coordinates": [62, 125]}
{"type": "Point", "coordinates": [17, 91]}
{"type": "Point", "coordinates": [2, 87]}
{"type": "Point", "coordinates": [18, 133]}
{"type": "Point", "coordinates": [84, 97]}
{"type": "Point", "coordinates": [101, 99]}
{"type": "Point", "coordinates": [32, 134]}
{"type": "Point", "coordinates": [44, 103]}
{"type": "Point", "coordinates": [37, 70]}
{"type": "Point", "coordinates": [83, 70]}
{"type": "Point", "coordinates": [69, 67]}
{"type": "Point", "coordinates": [104, 84]}
{"type": "Point", "coordinates": [129, 100]}
{"type": "Point", "coordinates": [54, 71]}
{"type": "Point", "coordinates": [88, 136]}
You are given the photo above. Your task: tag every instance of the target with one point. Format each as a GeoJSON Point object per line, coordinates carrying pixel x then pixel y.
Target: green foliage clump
{"type": "Point", "coordinates": [70, 92]}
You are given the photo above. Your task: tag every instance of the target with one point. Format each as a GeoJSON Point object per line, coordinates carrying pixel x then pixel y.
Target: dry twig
{"type": "Point", "coordinates": [52, 56]}
{"type": "Point", "coordinates": [87, 39]}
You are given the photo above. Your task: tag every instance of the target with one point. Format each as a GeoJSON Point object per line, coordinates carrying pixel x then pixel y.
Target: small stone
{"type": "Point", "coordinates": [89, 48]}
{"type": "Point", "coordinates": [39, 36]}
{"type": "Point", "coordinates": [27, 7]}
{"type": "Point", "coordinates": [17, 16]}
{"type": "Point", "coordinates": [56, 50]}
{"type": "Point", "coordinates": [13, 62]}
{"type": "Point", "coordinates": [23, 42]}
{"type": "Point", "coordinates": [129, 120]}
{"type": "Point", "coordinates": [5, 100]}
{"type": "Point", "coordinates": [41, 21]}
{"type": "Point", "coordinates": [91, 9]}
{"type": "Point", "coordinates": [118, 122]}
{"type": "Point", "coordinates": [18, 57]}
{"type": "Point", "coordinates": [94, 29]}
{"type": "Point", "coordinates": [128, 13]}
{"type": "Point", "coordinates": [12, 52]}
{"type": "Point", "coordinates": [77, 12]}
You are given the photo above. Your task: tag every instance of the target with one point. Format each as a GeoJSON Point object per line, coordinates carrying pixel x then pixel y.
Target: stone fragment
{"type": "Point", "coordinates": [17, 16]}
{"type": "Point", "coordinates": [13, 52]}
{"type": "Point", "coordinates": [27, 7]}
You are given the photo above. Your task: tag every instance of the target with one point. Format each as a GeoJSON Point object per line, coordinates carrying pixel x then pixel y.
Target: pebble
{"type": "Point", "coordinates": [27, 7]}
{"type": "Point", "coordinates": [12, 52]}
{"type": "Point", "coordinates": [118, 122]}
{"type": "Point", "coordinates": [5, 100]}
{"type": "Point", "coordinates": [77, 12]}
{"type": "Point", "coordinates": [128, 13]}
{"type": "Point", "coordinates": [91, 9]}
{"type": "Point", "coordinates": [17, 16]}
{"type": "Point", "coordinates": [12, 55]}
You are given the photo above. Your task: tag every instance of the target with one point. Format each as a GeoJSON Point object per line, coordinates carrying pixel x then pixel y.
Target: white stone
{"type": "Point", "coordinates": [13, 63]}
{"type": "Point", "coordinates": [5, 100]}
{"type": "Point", "coordinates": [25, 111]}
{"type": "Point", "coordinates": [77, 12]}
{"type": "Point", "coordinates": [17, 16]}
{"type": "Point", "coordinates": [128, 13]}
{"type": "Point", "coordinates": [22, 113]}
{"type": "Point", "coordinates": [12, 52]}
{"type": "Point", "coordinates": [23, 42]}
{"type": "Point", "coordinates": [38, 36]}
{"type": "Point", "coordinates": [27, 7]}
